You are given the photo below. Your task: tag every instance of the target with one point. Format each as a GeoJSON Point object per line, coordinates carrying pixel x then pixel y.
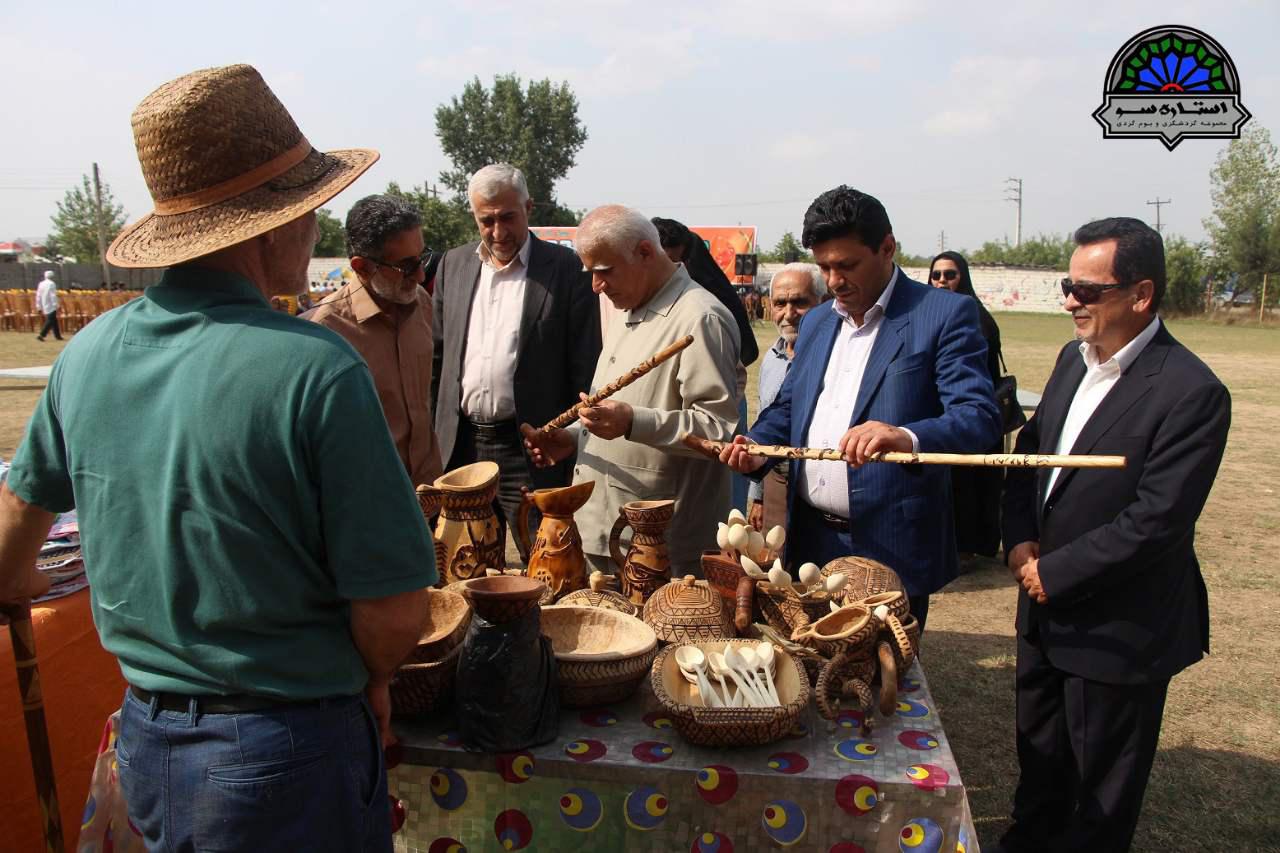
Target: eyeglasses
{"type": "Point", "coordinates": [1086, 292]}
{"type": "Point", "coordinates": [949, 275]}
{"type": "Point", "coordinates": [407, 268]}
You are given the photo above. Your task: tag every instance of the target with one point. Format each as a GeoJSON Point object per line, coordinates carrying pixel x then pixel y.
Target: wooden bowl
{"type": "Point", "coordinates": [601, 655]}
{"type": "Point", "coordinates": [447, 619]}
{"type": "Point", "coordinates": [419, 688]}
{"type": "Point", "coordinates": [688, 610]}
{"type": "Point", "coordinates": [503, 598]}
{"type": "Point", "coordinates": [847, 628]}
{"type": "Point", "coordinates": [729, 726]}
{"type": "Point", "coordinates": [604, 599]}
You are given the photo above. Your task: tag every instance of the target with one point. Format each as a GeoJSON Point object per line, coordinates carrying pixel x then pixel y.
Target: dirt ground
{"type": "Point", "coordinates": [1216, 781]}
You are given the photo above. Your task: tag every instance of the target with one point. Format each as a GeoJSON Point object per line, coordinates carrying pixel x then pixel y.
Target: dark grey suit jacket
{"type": "Point", "coordinates": [559, 341]}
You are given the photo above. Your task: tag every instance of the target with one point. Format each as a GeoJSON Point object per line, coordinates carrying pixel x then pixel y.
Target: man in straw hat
{"type": "Point", "coordinates": [257, 572]}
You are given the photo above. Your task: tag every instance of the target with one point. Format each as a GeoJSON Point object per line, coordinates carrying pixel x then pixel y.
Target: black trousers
{"type": "Point", "coordinates": [1085, 750]}
{"type": "Point", "coordinates": [501, 444]}
{"type": "Point", "coordinates": [51, 324]}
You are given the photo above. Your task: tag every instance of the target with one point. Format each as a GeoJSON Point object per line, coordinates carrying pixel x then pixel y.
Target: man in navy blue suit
{"type": "Point", "coordinates": [889, 364]}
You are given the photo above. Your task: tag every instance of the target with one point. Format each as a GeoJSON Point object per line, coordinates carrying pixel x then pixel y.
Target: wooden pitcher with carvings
{"type": "Point", "coordinates": [468, 530]}
{"type": "Point", "coordinates": [646, 567]}
{"type": "Point", "coordinates": [555, 555]}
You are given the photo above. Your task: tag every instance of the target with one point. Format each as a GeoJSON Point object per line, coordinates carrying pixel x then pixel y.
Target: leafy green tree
{"type": "Point", "coordinates": [75, 225]}
{"type": "Point", "coordinates": [903, 258]}
{"type": "Point", "coordinates": [333, 237]}
{"type": "Point", "coordinates": [536, 129]}
{"type": "Point", "coordinates": [1186, 271]}
{"type": "Point", "coordinates": [1043, 250]}
{"type": "Point", "coordinates": [1244, 231]}
{"type": "Point", "coordinates": [786, 245]}
{"type": "Point", "coordinates": [445, 223]}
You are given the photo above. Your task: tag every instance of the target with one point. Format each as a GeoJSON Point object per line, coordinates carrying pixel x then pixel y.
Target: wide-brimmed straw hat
{"type": "Point", "coordinates": [225, 162]}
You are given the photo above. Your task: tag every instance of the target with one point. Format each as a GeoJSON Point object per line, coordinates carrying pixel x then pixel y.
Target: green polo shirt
{"type": "Point", "coordinates": [236, 486]}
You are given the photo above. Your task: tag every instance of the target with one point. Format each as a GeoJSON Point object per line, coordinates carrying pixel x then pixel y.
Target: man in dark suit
{"type": "Point", "coordinates": [517, 335]}
{"type": "Point", "coordinates": [889, 364]}
{"type": "Point", "coordinates": [1112, 602]}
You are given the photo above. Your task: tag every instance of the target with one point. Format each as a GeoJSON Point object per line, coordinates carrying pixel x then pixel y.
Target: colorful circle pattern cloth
{"type": "Point", "coordinates": [928, 776]}
{"type": "Point", "coordinates": [711, 842]}
{"type": "Point", "coordinates": [585, 750]}
{"type": "Point", "coordinates": [920, 835]}
{"type": "Point", "coordinates": [652, 751]}
{"type": "Point", "coordinates": [857, 795]}
{"type": "Point", "coordinates": [789, 763]}
{"type": "Point", "coordinates": [912, 708]}
{"type": "Point", "coordinates": [515, 767]}
{"type": "Point", "coordinates": [446, 845]}
{"type": "Point", "coordinates": [856, 749]}
{"type": "Point", "coordinates": [717, 784]}
{"type": "Point", "coordinates": [915, 739]}
{"type": "Point", "coordinates": [581, 809]}
{"type": "Point", "coordinates": [784, 822]}
{"type": "Point", "coordinates": [599, 718]}
{"type": "Point", "coordinates": [513, 830]}
{"type": "Point", "coordinates": [645, 808]}
{"type": "Point", "coordinates": [448, 789]}
{"type": "Point", "coordinates": [657, 720]}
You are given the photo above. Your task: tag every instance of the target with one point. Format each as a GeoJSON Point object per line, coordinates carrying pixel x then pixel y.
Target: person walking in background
{"type": "Point", "coordinates": [975, 491]}
{"type": "Point", "coordinates": [47, 304]}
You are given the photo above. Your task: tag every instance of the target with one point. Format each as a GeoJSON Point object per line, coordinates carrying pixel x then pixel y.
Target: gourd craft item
{"type": "Point", "coordinates": [687, 611]}
{"type": "Point", "coordinates": [425, 680]}
{"type": "Point", "coordinates": [468, 528]}
{"type": "Point", "coordinates": [646, 566]}
{"type": "Point", "coordinates": [601, 655]}
{"type": "Point", "coordinates": [727, 577]}
{"type": "Point", "coordinates": [599, 595]}
{"type": "Point", "coordinates": [555, 554]}
{"type": "Point", "coordinates": [430, 500]}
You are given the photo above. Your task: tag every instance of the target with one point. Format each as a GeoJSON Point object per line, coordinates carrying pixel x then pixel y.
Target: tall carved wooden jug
{"type": "Point", "coordinates": [468, 529]}
{"type": "Point", "coordinates": [555, 554]}
{"type": "Point", "coordinates": [646, 567]}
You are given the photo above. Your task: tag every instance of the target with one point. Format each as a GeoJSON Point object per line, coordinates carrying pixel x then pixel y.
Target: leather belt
{"type": "Point", "coordinates": [828, 519]}
{"type": "Point", "coordinates": [494, 428]}
{"type": "Point", "coordinates": [211, 704]}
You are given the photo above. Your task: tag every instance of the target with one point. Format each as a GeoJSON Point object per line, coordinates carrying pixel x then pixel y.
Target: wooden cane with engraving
{"type": "Point", "coordinates": [24, 655]}
{"type": "Point", "coordinates": [570, 415]}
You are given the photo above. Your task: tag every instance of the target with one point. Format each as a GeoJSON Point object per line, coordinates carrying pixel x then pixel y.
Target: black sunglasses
{"type": "Point", "coordinates": [949, 275]}
{"type": "Point", "coordinates": [1086, 292]}
{"type": "Point", "coordinates": [405, 268]}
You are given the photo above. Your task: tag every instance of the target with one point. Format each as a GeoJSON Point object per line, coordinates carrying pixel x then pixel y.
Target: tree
{"type": "Point", "coordinates": [786, 245]}
{"type": "Point", "coordinates": [75, 225]}
{"type": "Point", "coordinates": [535, 129]}
{"type": "Point", "coordinates": [333, 237]}
{"type": "Point", "coordinates": [1185, 273]}
{"type": "Point", "coordinates": [1042, 250]}
{"type": "Point", "coordinates": [445, 223]}
{"type": "Point", "coordinates": [1244, 231]}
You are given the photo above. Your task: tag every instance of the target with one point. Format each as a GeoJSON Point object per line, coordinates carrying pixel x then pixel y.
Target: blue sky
{"type": "Point", "coordinates": [715, 113]}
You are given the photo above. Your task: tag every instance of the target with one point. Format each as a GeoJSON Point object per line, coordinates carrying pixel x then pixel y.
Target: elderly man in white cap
{"type": "Point", "coordinates": [47, 304]}
{"type": "Point", "coordinates": [630, 443]}
{"type": "Point", "coordinates": [256, 556]}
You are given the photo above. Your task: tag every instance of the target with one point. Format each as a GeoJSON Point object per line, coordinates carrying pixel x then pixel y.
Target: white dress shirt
{"type": "Point", "coordinates": [1098, 381]}
{"type": "Point", "coordinates": [825, 485]}
{"type": "Point", "coordinates": [47, 296]}
{"type": "Point", "coordinates": [493, 338]}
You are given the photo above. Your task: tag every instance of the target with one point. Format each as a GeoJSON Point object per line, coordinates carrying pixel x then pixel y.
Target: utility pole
{"type": "Point", "coordinates": [1159, 203]}
{"type": "Point", "coordinates": [942, 240]}
{"type": "Point", "coordinates": [102, 237]}
{"type": "Point", "coordinates": [1014, 189]}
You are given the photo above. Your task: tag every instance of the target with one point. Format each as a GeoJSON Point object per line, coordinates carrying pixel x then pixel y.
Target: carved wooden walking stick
{"type": "Point", "coordinates": [712, 449]}
{"type": "Point", "coordinates": [570, 415]}
{"type": "Point", "coordinates": [24, 654]}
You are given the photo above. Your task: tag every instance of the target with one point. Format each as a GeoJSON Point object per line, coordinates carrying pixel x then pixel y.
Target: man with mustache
{"type": "Point", "coordinates": [793, 290]}
{"type": "Point", "coordinates": [1112, 603]}
{"type": "Point", "coordinates": [890, 364]}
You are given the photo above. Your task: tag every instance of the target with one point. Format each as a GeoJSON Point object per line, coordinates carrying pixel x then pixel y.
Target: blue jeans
{"type": "Point", "coordinates": [308, 776]}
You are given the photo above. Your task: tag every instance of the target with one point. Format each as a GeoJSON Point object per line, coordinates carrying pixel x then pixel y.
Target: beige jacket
{"type": "Point", "coordinates": [693, 392]}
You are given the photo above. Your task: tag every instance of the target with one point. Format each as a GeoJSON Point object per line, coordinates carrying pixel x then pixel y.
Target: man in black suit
{"type": "Point", "coordinates": [1112, 603]}
{"type": "Point", "coordinates": [517, 335]}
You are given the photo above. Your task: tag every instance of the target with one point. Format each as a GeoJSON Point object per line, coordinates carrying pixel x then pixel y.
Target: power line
{"type": "Point", "coordinates": [1158, 204]}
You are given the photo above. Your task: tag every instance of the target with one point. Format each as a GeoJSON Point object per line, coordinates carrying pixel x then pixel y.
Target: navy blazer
{"type": "Point", "coordinates": [927, 372]}
{"type": "Point", "coordinates": [1126, 601]}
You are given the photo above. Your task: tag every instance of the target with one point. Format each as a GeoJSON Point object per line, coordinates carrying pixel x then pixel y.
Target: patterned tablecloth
{"type": "Point", "coordinates": [621, 778]}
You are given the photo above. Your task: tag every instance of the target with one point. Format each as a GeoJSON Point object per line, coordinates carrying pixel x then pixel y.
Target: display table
{"type": "Point", "coordinates": [621, 778]}
{"type": "Point", "coordinates": [82, 687]}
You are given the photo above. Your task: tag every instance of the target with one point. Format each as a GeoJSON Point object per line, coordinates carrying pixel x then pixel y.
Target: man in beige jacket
{"type": "Point", "coordinates": [630, 443]}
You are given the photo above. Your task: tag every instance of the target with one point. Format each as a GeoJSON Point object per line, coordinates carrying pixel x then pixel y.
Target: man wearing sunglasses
{"type": "Point", "coordinates": [1112, 603]}
{"type": "Point", "coordinates": [386, 315]}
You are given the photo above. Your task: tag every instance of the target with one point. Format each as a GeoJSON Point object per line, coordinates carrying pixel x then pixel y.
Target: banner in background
{"type": "Point", "coordinates": [723, 241]}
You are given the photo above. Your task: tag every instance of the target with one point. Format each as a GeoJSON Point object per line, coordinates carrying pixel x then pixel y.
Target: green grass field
{"type": "Point", "coordinates": [1216, 781]}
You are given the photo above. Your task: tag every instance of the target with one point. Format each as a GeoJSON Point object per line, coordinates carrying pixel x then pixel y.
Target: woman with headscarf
{"type": "Point", "coordinates": [975, 491]}
{"type": "Point", "coordinates": [685, 247]}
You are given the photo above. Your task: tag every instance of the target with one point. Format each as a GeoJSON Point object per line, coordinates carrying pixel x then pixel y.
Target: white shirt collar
{"type": "Point", "coordinates": [522, 256]}
{"type": "Point", "coordinates": [1126, 355]}
{"type": "Point", "coordinates": [875, 311]}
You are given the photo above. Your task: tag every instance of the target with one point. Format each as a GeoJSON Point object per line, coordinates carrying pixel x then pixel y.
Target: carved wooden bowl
{"type": "Point", "coordinates": [601, 655]}
{"type": "Point", "coordinates": [447, 619]}
{"type": "Point", "coordinates": [503, 598]}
